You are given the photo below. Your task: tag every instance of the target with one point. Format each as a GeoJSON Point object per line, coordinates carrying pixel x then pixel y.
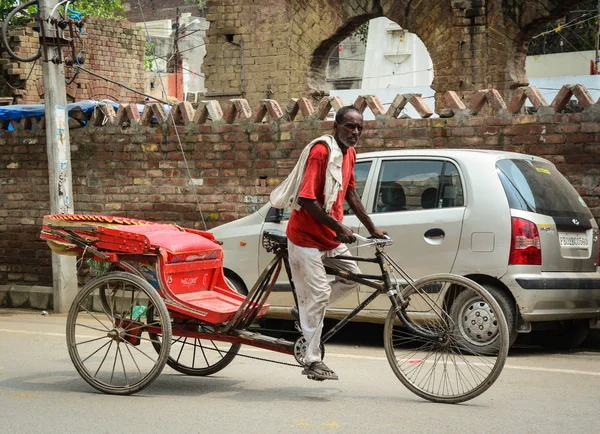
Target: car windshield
{"type": "Point", "coordinates": [539, 187]}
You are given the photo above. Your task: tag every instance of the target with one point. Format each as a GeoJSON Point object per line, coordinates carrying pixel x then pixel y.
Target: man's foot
{"type": "Point", "coordinates": [319, 371]}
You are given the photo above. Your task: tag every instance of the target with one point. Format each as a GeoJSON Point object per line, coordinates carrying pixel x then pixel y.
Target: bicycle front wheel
{"type": "Point", "coordinates": [429, 355]}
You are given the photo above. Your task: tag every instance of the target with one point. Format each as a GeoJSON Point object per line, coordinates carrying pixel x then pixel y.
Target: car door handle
{"type": "Point", "coordinates": [435, 233]}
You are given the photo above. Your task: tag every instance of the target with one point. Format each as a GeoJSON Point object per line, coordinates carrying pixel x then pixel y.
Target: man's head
{"type": "Point", "coordinates": [348, 126]}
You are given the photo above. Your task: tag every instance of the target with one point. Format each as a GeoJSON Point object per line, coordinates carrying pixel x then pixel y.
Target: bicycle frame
{"type": "Point", "coordinates": [385, 286]}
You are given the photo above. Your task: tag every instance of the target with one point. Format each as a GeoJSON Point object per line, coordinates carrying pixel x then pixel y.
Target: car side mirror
{"type": "Point", "coordinates": [275, 215]}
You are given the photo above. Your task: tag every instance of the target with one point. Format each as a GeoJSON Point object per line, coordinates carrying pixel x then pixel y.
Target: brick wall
{"type": "Point", "coordinates": [474, 44]}
{"type": "Point", "coordinates": [114, 49]}
{"type": "Point", "coordinates": [133, 166]}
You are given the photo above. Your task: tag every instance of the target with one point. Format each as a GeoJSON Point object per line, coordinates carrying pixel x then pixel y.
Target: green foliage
{"type": "Point", "coordinates": [149, 56]}
{"type": "Point", "coordinates": [576, 32]}
{"type": "Point", "coordinates": [362, 32]}
{"type": "Point", "coordinates": [200, 4]}
{"type": "Point", "coordinates": [100, 8]}
{"type": "Point", "coordinates": [97, 267]}
{"type": "Point", "coordinates": [89, 8]}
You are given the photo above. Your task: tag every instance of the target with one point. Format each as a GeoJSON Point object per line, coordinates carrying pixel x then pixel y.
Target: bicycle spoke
{"type": "Point", "coordinates": [91, 340]}
{"type": "Point", "coordinates": [133, 359]}
{"type": "Point", "coordinates": [107, 343]}
{"type": "Point", "coordinates": [92, 328]}
{"type": "Point", "coordinates": [123, 364]}
{"type": "Point", "coordinates": [114, 363]}
{"type": "Point", "coordinates": [94, 317]}
{"type": "Point", "coordinates": [103, 359]}
{"type": "Point", "coordinates": [181, 349]}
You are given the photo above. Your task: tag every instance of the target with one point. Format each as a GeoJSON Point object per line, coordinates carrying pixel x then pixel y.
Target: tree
{"type": "Point", "coordinates": [363, 32]}
{"type": "Point", "coordinates": [200, 4]}
{"type": "Point", "coordinates": [88, 8]}
{"type": "Point", "coordinates": [100, 8]}
{"type": "Point", "coordinates": [576, 32]}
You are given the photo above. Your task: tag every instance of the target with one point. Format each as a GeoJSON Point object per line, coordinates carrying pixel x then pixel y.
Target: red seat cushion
{"type": "Point", "coordinates": [185, 246]}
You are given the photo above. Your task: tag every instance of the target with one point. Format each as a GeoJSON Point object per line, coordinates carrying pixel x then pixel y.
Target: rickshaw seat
{"type": "Point", "coordinates": [185, 246]}
{"type": "Point", "coordinates": [190, 262]}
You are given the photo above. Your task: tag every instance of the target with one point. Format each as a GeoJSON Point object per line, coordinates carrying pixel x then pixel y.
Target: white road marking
{"type": "Point", "coordinates": [355, 356]}
{"type": "Point", "coordinates": [32, 333]}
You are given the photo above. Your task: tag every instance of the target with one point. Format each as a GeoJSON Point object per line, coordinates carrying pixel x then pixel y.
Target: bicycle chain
{"type": "Point", "coordinates": [264, 359]}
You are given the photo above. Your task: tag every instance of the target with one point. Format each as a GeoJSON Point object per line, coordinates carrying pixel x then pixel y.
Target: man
{"type": "Point", "coordinates": [316, 233]}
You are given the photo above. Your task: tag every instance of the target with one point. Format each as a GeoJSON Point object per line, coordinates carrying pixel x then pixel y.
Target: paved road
{"type": "Point", "coordinates": [40, 391]}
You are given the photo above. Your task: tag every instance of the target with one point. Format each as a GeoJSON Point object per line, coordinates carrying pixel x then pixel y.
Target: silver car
{"type": "Point", "coordinates": [509, 221]}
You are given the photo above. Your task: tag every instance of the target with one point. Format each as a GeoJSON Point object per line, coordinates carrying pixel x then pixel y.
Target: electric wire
{"type": "Point", "coordinates": [25, 82]}
{"type": "Point", "coordinates": [121, 85]}
{"type": "Point", "coordinates": [566, 26]}
{"type": "Point", "coordinates": [400, 73]}
{"type": "Point", "coordinates": [192, 185]}
{"type": "Point", "coordinates": [572, 46]}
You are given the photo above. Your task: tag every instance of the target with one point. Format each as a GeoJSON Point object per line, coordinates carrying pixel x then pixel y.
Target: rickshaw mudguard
{"type": "Point", "coordinates": [189, 263]}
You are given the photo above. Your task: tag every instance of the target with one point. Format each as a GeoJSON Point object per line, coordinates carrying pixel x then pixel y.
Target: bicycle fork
{"type": "Point", "coordinates": [400, 304]}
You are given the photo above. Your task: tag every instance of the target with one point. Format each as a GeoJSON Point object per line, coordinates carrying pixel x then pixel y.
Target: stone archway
{"type": "Point", "coordinates": [279, 49]}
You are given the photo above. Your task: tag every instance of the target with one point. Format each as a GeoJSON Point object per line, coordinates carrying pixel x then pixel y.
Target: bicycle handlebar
{"type": "Point", "coordinates": [369, 241]}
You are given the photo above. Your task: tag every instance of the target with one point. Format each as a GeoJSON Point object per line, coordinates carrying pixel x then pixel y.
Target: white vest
{"type": "Point", "coordinates": [285, 195]}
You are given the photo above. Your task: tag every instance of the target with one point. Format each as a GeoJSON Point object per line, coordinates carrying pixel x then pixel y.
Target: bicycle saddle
{"type": "Point", "coordinates": [274, 240]}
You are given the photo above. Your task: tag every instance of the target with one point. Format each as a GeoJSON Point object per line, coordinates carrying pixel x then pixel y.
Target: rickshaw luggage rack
{"type": "Point", "coordinates": [165, 300]}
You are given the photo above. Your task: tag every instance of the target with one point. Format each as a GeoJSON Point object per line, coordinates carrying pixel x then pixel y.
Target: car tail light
{"type": "Point", "coordinates": [525, 243]}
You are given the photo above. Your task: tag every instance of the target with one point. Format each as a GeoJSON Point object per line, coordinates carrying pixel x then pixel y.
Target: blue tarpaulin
{"type": "Point", "coordinates": [19, 111]}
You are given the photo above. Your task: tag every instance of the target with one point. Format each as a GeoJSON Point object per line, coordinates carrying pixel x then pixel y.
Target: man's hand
{"type": "Point", "coordinates": [344, 234]}
{"type": "Point", "coordinates": [378, 233]}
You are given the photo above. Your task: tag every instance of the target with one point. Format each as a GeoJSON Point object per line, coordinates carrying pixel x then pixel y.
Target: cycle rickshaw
{"type": "Point", "coordinates": [165, 300]}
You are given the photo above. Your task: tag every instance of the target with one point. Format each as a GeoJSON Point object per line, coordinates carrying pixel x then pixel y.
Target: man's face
{"type": "Point", "coordinates": [348, 131]}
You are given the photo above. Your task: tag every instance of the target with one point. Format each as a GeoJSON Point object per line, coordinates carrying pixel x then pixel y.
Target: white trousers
{"type": "Point", "coordinates": [314, 291]}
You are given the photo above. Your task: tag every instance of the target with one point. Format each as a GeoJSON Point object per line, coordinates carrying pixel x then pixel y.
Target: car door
{"type": "Point", "coordinates": [281, 294]}
{"type": "Point", "coordinates": [419, 202]}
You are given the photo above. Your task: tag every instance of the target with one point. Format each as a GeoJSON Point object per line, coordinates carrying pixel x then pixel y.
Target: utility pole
{"type": "Point", "coordinates": [176, 49]}
{"type": "Point", "coordinates": [597, 60]}
{"type": "Point", "coordinates": [58, 148]}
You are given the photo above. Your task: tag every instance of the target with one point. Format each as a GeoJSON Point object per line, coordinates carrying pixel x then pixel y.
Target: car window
{"type": "Point", "coordinates": [404, 185]}
{"type": "Point", "coordinates": [537, 186]}
{"type": "Point", "coordinates": [452, 190]}
{"type": "Point", "coordinates": [361, 172]}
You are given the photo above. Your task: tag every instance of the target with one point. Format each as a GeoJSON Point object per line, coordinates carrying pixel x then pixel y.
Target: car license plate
{"type": "Point", "coordinates": [572, 240]}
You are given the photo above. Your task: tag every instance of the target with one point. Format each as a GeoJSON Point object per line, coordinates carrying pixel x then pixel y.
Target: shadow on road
{"type": "Point", "coordinates": [371, 335]}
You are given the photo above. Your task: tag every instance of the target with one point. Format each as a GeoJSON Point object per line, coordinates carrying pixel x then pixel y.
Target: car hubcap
{"type": "Point", "coordinates": [478, 323]}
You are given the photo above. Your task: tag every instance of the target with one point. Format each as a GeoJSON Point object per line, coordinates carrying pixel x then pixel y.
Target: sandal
{"type": "Point", "coordinates": [319, 371]}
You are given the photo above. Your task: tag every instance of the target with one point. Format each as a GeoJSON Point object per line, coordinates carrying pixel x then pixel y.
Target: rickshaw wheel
{"type": "Point", "coordinates": [108, 333]}
{"type": "Point", "coordinates": [197, 357]}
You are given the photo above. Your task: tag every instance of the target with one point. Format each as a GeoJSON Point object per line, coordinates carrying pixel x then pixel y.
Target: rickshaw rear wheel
{"type": "Point", "coordinates": [197, 357]}
{"type": "Point", "coordinates": [108, 333]}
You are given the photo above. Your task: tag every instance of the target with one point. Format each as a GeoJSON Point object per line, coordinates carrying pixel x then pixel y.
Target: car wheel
{"type": "Point", "coordinates": [482, 339]}
{"type": "Point", "coordinates": [570, 334]}
{"type": "Point", "coordinates": [236, 284]}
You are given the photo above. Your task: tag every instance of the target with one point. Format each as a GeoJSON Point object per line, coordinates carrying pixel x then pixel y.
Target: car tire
{"type": "Point", "coordinates": [508, 306]}
{"type": "Point", "coordinates": [236, 284]}
{"type": "Point", "coordinates": [569, 335]}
